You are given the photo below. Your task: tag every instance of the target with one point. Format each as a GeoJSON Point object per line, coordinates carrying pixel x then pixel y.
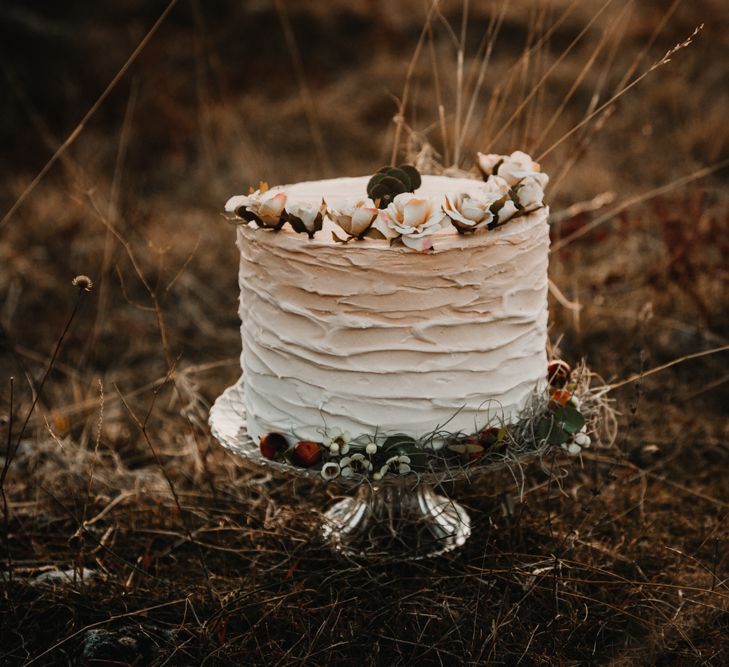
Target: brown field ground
{"type": "Point", "coordinates": [625, 563]}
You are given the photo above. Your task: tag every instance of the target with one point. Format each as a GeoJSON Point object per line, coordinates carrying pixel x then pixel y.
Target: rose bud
{"type": "Point", "coordinates": [306, 453]}
{"type": "Point", "coordinates": [559, 398]}
{"type": "Point", "coordinates": [558, 373]}
{"type": "Point", "coordinates": [272, 445]}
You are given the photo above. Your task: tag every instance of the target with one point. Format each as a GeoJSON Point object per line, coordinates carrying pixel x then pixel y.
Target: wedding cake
{"type": "Point", "coordinates": [393, 303]}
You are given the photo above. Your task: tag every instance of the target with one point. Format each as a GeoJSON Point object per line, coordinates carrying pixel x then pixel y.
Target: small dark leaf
{"type": "Point", "coordinates": [413, 174]}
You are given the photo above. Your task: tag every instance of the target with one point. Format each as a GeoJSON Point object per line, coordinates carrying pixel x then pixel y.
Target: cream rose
{"type": "Point", "coordinates": [470, 212]}
{"type": "Point", "coordinates": [306, 218]}
{"type": "Point", "coordinates": [529, 194]}
{"type": "Point", "coordinates": [487, 162]}
{"type": "Point", "coordinates": [413, 219]}
{"type": "Point", "coordinates": [518, 166]}
{"type": "Point", "coordinates": [266, 209]}
{"type": "Point", "coordinates": [355, 217]}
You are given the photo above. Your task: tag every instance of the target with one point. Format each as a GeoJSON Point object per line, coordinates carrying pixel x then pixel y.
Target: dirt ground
{"type": "Point", "coordinates": [130, 537]}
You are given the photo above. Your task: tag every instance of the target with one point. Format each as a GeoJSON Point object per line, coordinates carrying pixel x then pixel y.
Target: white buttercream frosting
{"type": "Point", "coordinates": [373, 338]}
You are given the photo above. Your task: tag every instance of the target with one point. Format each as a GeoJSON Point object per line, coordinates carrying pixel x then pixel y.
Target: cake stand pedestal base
{"type": "Point", "coordinates": [396, 521]}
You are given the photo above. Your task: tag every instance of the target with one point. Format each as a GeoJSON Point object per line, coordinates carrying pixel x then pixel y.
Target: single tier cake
{"type": "Point", "coordinates": [425, 315]}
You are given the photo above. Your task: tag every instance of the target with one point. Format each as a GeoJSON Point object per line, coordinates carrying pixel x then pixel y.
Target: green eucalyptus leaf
{"type": "Point", "coordinates": [572, 419]}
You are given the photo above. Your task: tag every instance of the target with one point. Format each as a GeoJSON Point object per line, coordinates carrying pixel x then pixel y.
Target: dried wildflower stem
{"type": "Point", "coordinates": [460, 59]}
{"type": "Point", "coordinates": [404, 98]}
{"type": "Point", "coordinates": [517, 112]}
{"type": "Point", "coordinates": [6, 511]}
{"type": "Point", "coordinates": [644, 374]}
{"type": "Point", "coordinates": [11, 451]}
{"type": "Point", "coordinates": [607, 34]}
{"type": "Point", "coordinates": [438, 96]}
{"type": "Point", "coordinates": [498, 98]}
{"type": "Point", "coordinates": [637, 199]}
{"type": "Point", "coordinates": [88, 115]}
{"type": "Point", "coordinates": [492, 32]}
{"type": "Point", "coordinates": [663, 61]}
{"type": "Point", "coordinates": [307, 99]}
{"type": "Point", "coordinates": [142, 426]}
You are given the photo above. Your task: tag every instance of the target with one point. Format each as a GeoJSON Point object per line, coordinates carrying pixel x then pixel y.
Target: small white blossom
{"type": "Point", "coordinates": [399, 464]}
{"type": "Point", "coordinates": [330, 470]}
{"type": "Point", "coordinates": [583, 440]}
{"type": "Point", "coordinates": [371, 448]}
{"type": "Point", "coordinates": [337, 441]}
{"type": "Point", "coordinates": [355, 217]}
{"type": "Point", "coordinates": [413, 219]}
{"type": "Point", "coordinates": [355, 464]}
{"type": "Point", "coordinates": [572, 448]}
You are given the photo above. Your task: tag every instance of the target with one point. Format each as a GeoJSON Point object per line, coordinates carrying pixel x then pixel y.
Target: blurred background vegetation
{"type": "Point", "coordinates": [229, 93]}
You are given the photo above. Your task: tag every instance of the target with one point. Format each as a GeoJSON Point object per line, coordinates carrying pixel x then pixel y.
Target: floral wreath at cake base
{"type": "Point", "coordinates": [513, 186]}
{"type": "Point", "coordinates": [571, 415]}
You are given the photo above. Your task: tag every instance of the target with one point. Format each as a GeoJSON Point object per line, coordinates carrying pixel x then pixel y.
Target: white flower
{"type": "Point", "coordinates": [507, 211]}
{"type": "Point", "coordinates": [518, 166]}
{"type": "Point", "coordinates": [330, 470]}
{"type": "Point", "coordinates": [529, 194]}
{"type": "Point", "coordinates": [355, 217]}
{"type": "Point", "coordinates": [399, 464]}
{"type": "Point", "coordinates": [487, 162]}
{"type": "Point", "coordinates": [572, 448]}
{"type": "Point", "coordinates": [470, 212]}
{"type": "Point", "coordinates": [337, 441]}
{"type": "Point", "coordinates": [306, 218]}
{"type": "Point", "coordinates": [497, 185]}
{"type": "Point", "coordinates": [265, 208]}
{"type": "Point", "coordinates": [413, 219]}
{"type": "Point", "coordinates": [355, 464]}
{"type": "Point", "coordinates": [371, 448]}
{"type": "Point", "coordinates": [581, 441]}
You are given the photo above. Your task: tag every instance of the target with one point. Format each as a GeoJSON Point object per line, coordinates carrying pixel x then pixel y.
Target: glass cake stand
{"type": "Point", "coordinates": [396, 518]}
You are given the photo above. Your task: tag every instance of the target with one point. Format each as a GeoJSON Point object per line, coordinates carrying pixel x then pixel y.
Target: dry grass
{"type": "Point", "coordinates": [196, 558]}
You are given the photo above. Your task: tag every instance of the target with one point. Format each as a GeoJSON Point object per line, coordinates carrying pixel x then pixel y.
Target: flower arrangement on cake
{"type": "Point", "coordinates": [513, 186]}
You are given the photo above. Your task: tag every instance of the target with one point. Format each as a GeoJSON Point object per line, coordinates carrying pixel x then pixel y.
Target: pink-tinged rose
{"type": "Point", "coordinates": [469, 212]}
{"type": "Point", "coordinates": [355, 217]}
{"type": "Point", "coordinates": [413, 219]}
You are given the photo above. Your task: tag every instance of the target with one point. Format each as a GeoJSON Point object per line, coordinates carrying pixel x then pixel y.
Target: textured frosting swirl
{"type": "Point", "coordinates": [373, 338]}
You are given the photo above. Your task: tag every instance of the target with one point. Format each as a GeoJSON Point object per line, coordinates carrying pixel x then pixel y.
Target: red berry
{"type": "Point", "coordinates": [559, 398]}
{"type": "Point", "coordinates": [306, 453]}
{"type": "Point", "coordinates": [558, 373]}
{"type": "Point", "coordinates": [272, 445]}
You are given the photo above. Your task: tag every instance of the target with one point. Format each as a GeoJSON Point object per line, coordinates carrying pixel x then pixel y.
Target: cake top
{"type": "Point", "coordinates": [397, 204]}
